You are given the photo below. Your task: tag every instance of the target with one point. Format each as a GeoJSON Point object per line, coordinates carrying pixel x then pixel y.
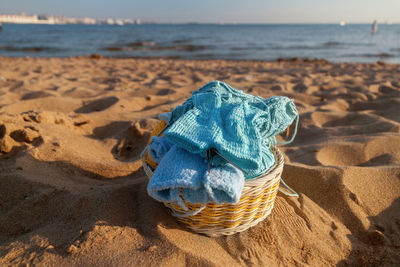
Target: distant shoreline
{"type": "Point", "coordinates": [206, 24]}
{"type": "Point", "coordinates": [278, 60]}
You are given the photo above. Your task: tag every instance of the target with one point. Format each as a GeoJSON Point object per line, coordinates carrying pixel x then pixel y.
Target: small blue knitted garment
{"type": "Point", "coordinates": [181, 170]}
{"type": "Point", "coordinates": [241, 127]}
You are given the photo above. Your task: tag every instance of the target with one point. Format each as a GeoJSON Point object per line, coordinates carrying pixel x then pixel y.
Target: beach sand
{"type": "Point", "coordinates": [72, 190]}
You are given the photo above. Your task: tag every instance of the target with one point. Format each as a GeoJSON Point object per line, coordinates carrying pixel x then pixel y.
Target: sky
{"type": "Point", "coordinates": [216, 11]}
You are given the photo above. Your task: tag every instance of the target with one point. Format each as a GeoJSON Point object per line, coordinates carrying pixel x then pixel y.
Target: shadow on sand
{"type": "Point", "coordinates": [382, 245]}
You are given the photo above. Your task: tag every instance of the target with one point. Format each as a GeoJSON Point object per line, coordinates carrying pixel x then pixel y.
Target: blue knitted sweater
{"type": "Point", "coordinates": [241, 127]}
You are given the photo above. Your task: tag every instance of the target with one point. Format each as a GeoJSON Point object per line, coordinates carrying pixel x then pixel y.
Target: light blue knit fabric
{"type": "Point", "coordinates": [241, 127]}
{"type": "Point", "coordinates": [177, 170]}
{"type": "Point", "coordinates": [224, 184]}
{"type": "Point", "coordinates": [158, 147]}
{"type": "Point", "coordinates": [180, 169]}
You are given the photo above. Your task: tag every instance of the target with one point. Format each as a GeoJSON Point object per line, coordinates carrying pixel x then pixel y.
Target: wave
{"type": "Point", "coordinates": [332, 44]}
{"type": "Point", "coordinates": [181, 41]}
{"type": "Point", "coordinates": [152, 46]}
{"type": "Point", "coordinates": [380, 55]}
{"type": "Point", "coordinates": [190, 48]}
{"type": "Point", "coordinates": [30, 49]}
{"type": "Point", "coordinates": [320, 46]}
{"type": "Point", "coordinates": [241, 48]}
{"type": "Point", "coordinates": [141, 44]}
{"type": "Point", "coordinates": [327, 45]}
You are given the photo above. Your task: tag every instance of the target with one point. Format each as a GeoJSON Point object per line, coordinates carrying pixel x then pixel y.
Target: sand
{"type": "Point", "coordinates": [72, 190]}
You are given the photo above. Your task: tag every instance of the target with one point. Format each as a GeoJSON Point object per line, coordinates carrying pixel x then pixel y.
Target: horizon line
{"type": "Point", "coordinates": [231, 23]}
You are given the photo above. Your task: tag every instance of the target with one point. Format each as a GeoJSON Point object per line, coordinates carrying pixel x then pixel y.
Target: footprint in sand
{"type": "Point", "coordinates": [27, 135]}
{"type": "Point", "coordinates": [98, 105]}
{"type": "Point", "coordinates": [35, 94]}
{"type": "Point", "coordinates": [16, 86]}
{"type": "Point", "coordinates": [132, 137]}
{"type": "Point", "coordinates": [107, 80]}
{"type": "Point", "coordinates": [342, 155]}
{"type": "Point", "coordinates": [12, 137]}
{"type": "Point", "coordinates": [37, 70]}
{"type": "Point", "coordinates": [350, 123]}
{"type": "Point", "coordinates": [166, 92]}
{"type": "Point", "coordinates": [376, 151]}
{"type": "Point", "coordinates": [350, 119]}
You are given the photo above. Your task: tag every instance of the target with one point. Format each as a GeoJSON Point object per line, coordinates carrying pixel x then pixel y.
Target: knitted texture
{"type": "Point", "coordinates": [180, 170]}
{"type": "Point", "coordinates": [241, 127]}
{"type": "Point", "coordinates": [224, 184]}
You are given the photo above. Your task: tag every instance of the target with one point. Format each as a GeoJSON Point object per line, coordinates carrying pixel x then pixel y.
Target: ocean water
{"type": "Point", "coordinates": [351, 43]}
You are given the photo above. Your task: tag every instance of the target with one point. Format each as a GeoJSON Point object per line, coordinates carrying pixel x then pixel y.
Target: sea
{"type": "Point", "coordinates": [333, 42]}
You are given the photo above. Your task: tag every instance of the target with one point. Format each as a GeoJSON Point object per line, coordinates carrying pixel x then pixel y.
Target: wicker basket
{"type": "Point", "coordinates": [256, 203]}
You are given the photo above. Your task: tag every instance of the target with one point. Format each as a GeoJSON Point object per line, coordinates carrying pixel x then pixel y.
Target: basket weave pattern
{"type": "Point", "coordinates": [256, 203]}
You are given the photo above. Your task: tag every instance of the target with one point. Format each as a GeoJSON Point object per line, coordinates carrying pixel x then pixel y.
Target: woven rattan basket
{"type": "Point", "coordinates": [256, 202]}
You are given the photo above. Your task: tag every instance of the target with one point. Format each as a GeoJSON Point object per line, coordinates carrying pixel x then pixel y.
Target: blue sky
{"type": "Point", "coordinates": [240, 11]}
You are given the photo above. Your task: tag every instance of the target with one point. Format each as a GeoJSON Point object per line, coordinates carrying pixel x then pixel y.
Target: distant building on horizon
{"type": "Point", "coordinates": [22, 18]}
